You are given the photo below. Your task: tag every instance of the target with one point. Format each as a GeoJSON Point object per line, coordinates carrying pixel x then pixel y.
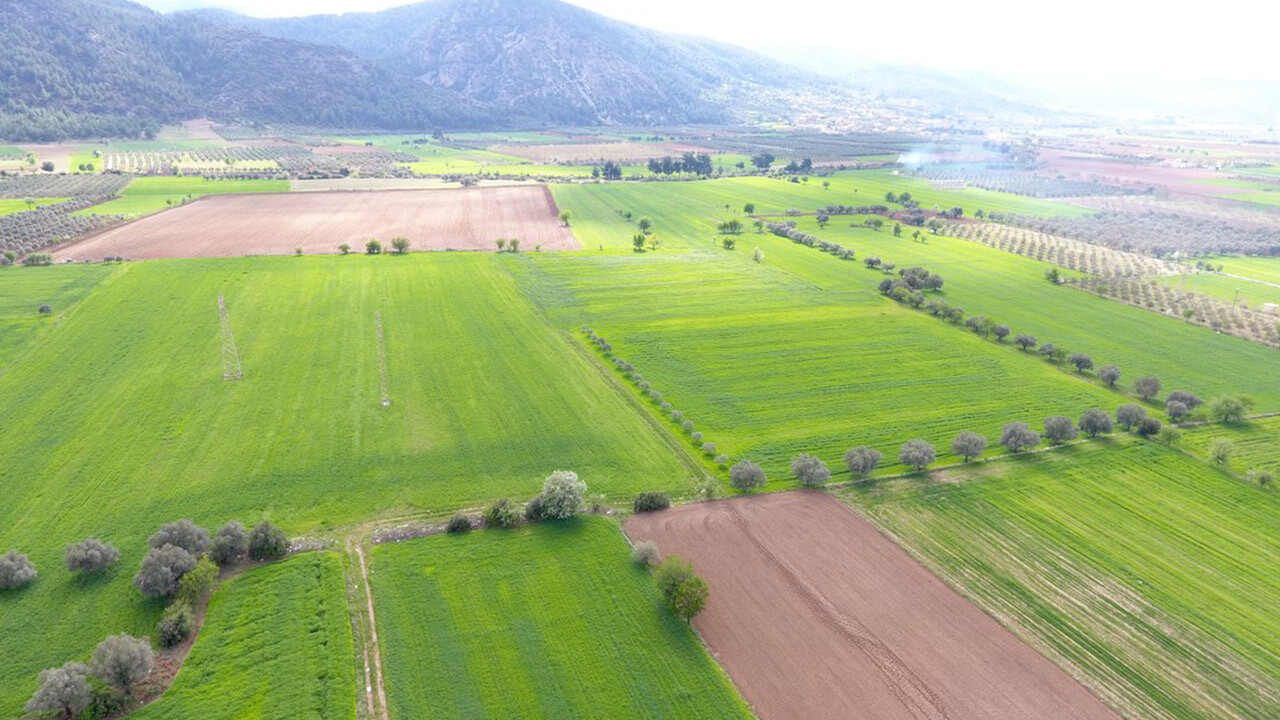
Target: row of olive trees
{"type": "Point", "coordinates": [561, 498]}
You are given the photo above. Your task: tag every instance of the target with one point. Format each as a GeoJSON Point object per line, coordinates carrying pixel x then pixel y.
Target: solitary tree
{"type": "Point", "coordinates": [1049, 350]}
{"type": "Point", "coordinates": [968, 444]}
{"type": "Point", "coordinates": [91, 556]}
{"type": "Point", "coordinates": [1109, 374]}
{"type": "Point", "coordinates": [1081, 361]}
{"type": "Point", "coordinates": [1017, 436]}
{"type": "Point", "coordinates": [64, 691]}
{"type": "Point", "coordinates": [1129, 415]}
{"type": "Point", "coordinates": [1220, 451]}
{"type": "Point", "coordinates": [267, 542]}
{"type": "Point", "coordinates": [749, 209]}
{"type": "Point", "coordinates": [16, 570]}
{"type": "Point", "coordinates": [1095, 422]}
{"type": "Point", "coordinates": [809, 470]}
{"type": "Point", "coordinates": [1147, 387]}
{"type": "Point", "coordinates": [746, 475]}
{"type": "Point", "coordinates": [230, 544]}
{"type": "Point", "coordinates": [861, 460]}
{"type": "Point", "coordinates": [562, 494]}
{"type": "Point", "coordinates": [122, 660]}
{"type": "Point", "coordinates": [917, 454]}
{"type": "Point", "coordinates": [161, 570]}
{"type": "Point", "coordinates": [1026, 342]}
{"type": "Point", "coordinates": [1230, 409]}
{"type": "Point", "coordinates": [1058, 429]}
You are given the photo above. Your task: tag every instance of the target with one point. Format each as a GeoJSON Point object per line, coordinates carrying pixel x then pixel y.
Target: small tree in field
{"type": "Point", "coordinates": [1147, 387]}
{"type": "Point", "coordinates": [1176, 410]}
{"type": "Point", "coordinates": [16, 570]}
{"type": "Point", "coordinates": [637, 242]}
{"type": "Point", "coordinates": [565, 216]}
{"type": "Point", "coordinates": [175, 623]}
{"type": "Point", "coordinates": [1220, 451]}
{"type": "Point", "coordinates": [968, 444]}
{"type": "Point", "coordinates": [373, 247]}
{"type": "Point", "coordinates": [91, 556]}
{"type": "Point", "coordinates": [1230, 409]}
{"type": "Point", "coordinates": [344, 249]}
{"type": "Point", "coordinates": [861, 460]}
{"type": "Point", "coordinates": [64, 691]}
{"type": "Point", "coordinates": [1081, 361]}
{"type": "Point", "coordinates": [1109, 374]}
{"type": "Point", "coordinates": [1095, 422]}
{"type": "Point", "coordinates": [562, 494]}
{"type": "Point", "coordinates": [400, 244]}
{"type": "Point", "coordinates": [161, 570]}
{"type": "Point", "coordinates": [1017, 436]}
{"type": "Point", "coordinates": [684, 592]}
{"type": "Point", "coordinates": [122, 660]}
{"type": "Point", "coordinates": [917, 454]}
{"type": "Point", "coordinates": [184, 534]}
{"type": "Point", "coordinates": [1129, 415]}
{"type": "Point", "coordinates": [1058, 429]}
{"type": "Point", "coordinates": [1191, 400]}
{"type": "Point", "coordinates": [645, 554]}
{"type": "Point", "coordinates": [1148, 427]}
{"type": "Point", "coordinates": [809, 470]}
{"type": "Point", "coordinates": [1026, 342]}
{"type": "Point", "coordinates": [746, 475]}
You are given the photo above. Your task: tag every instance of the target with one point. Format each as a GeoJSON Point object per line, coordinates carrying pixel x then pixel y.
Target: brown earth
{"type": "Point", "coordinates": [816, 615]}
{"type": "Point", "coordinates": [595, 152]}
{"type": "Point", "coordinates": [318, 222]}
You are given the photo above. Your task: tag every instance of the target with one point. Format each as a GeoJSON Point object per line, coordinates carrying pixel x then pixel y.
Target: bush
{"type": "Point", "coordinates": [809, 470]}
{"type": "Point", "coordinates": [677, 416]}
{"type": "Point", "coordinates": [195, 585]}
{"type": "Point", "coordinates": [344, 249]}
{"type": "Point", "coordinates": [230, 544]}
{"type": "Point", "coordinates": [535, 510]}
{"type": "Point", "coordinates": [373, 247]}
{"type": "Point", "coordinates": [63, 690]}
{"type": "Point", "coordinates": [503, 514]}
{"type": "Point", "coordinates": [687, 426]}
{"type": "Point", "coordinates": [459, 523]}
{"type": "Point", "coordinates": [917, 454]}
{"type": "Point", "coordinates": [696, 436]}
{"type": "Point", "coordinates": [645, 554]}
{"type": "Point", "coordinates": [45, 309]}
{"type": "Point", "coordinates": [1169, 435]}
{"type": "Point", "coordinates": [722, 460]}
{"type": "Point", "coordinates": [861, 460]}
{"type": "Point", "coordinates": [161, 570]}
{"type": "Point", "coordinates": [267, 542]}
{"type": "Point", "coordinates": [650, 501]}
{"type": "Point", "coordinates": [561, 496]}
{"type": "Point", "coordinates": [1095, 422]}
{"type": "Point", "coordinates": [1148, 427]}
{"type": "Point", "coordinates": [91, 556]}
{"type": "Point", "coordinates": [16, 570]}
{"type": "Point", "coordinates": [122, 660]}
{"type": "Point", "coordinates": [175, 624]}
{"type": "Point", "coordinates": [1129, 415]}
{"type": "Point", "coordinates": [1220, 451]}
{"type": "Point", "coordinates": [1230, 409]}
{"type": "Point", "coordinates": [746, 475]}
{"type": "Point", "coordinates": [968, 444]}
{"type": "Point", "coordinates": [1058, 429]}
{"type": "Point", "coordinates": [184, 534]}
{"type": "Point", "coordinates": [709, 449]}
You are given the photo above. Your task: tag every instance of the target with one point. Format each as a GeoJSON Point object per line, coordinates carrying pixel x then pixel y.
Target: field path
{"type": "Point", "coordinates": [375, 686]}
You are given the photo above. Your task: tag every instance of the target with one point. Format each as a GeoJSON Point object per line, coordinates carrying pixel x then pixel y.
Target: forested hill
{"type": "Point", "coordinates": [79, 68]}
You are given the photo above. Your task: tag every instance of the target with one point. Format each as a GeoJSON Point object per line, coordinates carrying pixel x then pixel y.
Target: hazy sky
{"type": "Point", "coordinates": [1094, 38]}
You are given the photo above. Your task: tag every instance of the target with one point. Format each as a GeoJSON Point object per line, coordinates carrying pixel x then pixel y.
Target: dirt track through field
{"type": "Point", "coordinates": [318, 222]}
{"type": "Point", "coordinates": [816, 615]}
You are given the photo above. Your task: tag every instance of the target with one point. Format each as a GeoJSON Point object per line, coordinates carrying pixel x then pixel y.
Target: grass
{"type": "Point", "coordinates": [8, 207]}
{"type": "Point", "coordinates": [1253, 294]}
{"type": "Point", "coordinates": [146, 195]}
{"type": "Point", "coordinates": [118, 420]}
{"type": "Point", "coordinates": [1150, 575]}
{"type": "Point", "coordinates": [276, 643]}
{"type": "Point", "coordinates": [551, 620]}
{"type": "Point", "coordinates": [1254, 444]}
{"type": "Point", "coordinates": [24, 289]}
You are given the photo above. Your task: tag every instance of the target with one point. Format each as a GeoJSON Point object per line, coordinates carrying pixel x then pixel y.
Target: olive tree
{"type": "Point", "coordinates": [1191, 400]}
{"type": "Point", "coordinates": [1176, 410]}
{"type": "Point", "coordinates": [809, 470]}
{"type": "Point", "coordinates": [861, 460]}
{"type": "Point", "coordinates": [917, 454]}
{"type": "Point", "coordinates": [1109, 374]}
{"type": "Point", "coordinates": [746, 475]}
{"type": "Point", "coordinates": [90, 556]}
{"type": "Point", "coordinates": [562, 494]}
{"type": "Point", "coordinates": [1018, 436]}
{"type": "Point", "coordinates": [162, 569]}
{"type": "Point", "coordinates": [1081, 361]}
{"type": "Point", "coordinates": [1230, 409]}
{"type": "Point", "coordinates": [1129, 415]}
{"type": "Point", "coordinates": [1026, 342]}
{"type": "Point", "coordinates": [1148, 427]}
{"type": "Point", "coordinates": [230, 544]}
{"type": "Point", "coordinates": [16, 570]}
{"type": "Point", "coordinates": [267, 542]}
{"type": "Point", "coordinates": [644, 553]}
{"type": "Point", "coordinates": [184, 534]}
{"type": "Point", "coordinates": [122, 660]}
{"type": "Point", "coordinates": [64, 691]}
{"type": "Point", "coordinates": [1095, 422]}
{"type": "Point", "coordinates": [175, 623]}
{"type": "Point", "coordinates": [1147, 387]}
{"type": "Point", "coordinates": [1058, 429]}
{"type": "Point", "coordinates": [968, 444]}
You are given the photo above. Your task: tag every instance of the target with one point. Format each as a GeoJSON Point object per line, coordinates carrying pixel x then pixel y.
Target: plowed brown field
{"type": "Point", "coordinates": [318, 222]}
{"type": "Point", "coordinates": [816, 615]}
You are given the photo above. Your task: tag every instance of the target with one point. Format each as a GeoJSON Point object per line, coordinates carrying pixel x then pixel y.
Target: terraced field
{"type": "Point", "coordinates": [548, 621]}
{"type": "Point", "coordinates": [275, 643]}
{"type": "Point", "coordinates": [486, 398]}
{"type": "Point", "coordinates": [1149, 575]}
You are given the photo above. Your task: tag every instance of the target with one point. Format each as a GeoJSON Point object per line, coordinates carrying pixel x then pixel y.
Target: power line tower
{"type": "Point", "coordinates": [230, 356]}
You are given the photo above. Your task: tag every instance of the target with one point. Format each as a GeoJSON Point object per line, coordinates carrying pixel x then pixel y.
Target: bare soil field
{"type": "Point", "coordinates": [1181, 181]}
{"type": "Point", "coordinates": [275, 224]}
{"type": "Point", "coordinates": [817, 615]}
{"type": "Point", "coordinates": [594, 152]}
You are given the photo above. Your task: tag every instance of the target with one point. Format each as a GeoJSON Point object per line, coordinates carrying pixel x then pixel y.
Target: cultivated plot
{"type": "Point", "coordinates": [817, 615]}
{"type": "Point", "coordinates": [275, 224]}
{"type": "Point", "coordinates": [551, 621]}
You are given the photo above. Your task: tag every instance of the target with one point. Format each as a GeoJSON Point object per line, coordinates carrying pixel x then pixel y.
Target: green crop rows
{"type": "Point", "coordinates": [545, 621]}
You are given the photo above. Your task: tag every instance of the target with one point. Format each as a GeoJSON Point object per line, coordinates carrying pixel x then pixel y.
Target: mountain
{"type": "Point", "coordinates": [544, 60]}
{"type": "Point", "coordinates": [112, 67]}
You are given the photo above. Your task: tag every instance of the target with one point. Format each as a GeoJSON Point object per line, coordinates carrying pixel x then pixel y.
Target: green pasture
{"type": "Point", "coordinates": [146, 195]}
{"type": "Point", "coordinates": [551, 620]}
{"type": "Point", "coordinates": [117, 419]}
{"type": "Point", "coordinates": [1227, 289]}
{"type": "Point", "coordinates": [24, 289]}
{"type": "Point", "coordinates": [1254, 444]}
{"type": "Point", "coordinates": [1147, 574]}
{"type": "Point", "coordinates": [276, 643]}
{"type": "Point", "coordinates": [8, 207]}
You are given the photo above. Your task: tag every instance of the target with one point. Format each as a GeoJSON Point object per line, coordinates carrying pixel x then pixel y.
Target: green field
{"type": "Point", "coordinates": [1149, 575]}
{"type": "Point", "coordinates": [1255, 444]}
{"type": "Point", "coordinates": [118, 420]}
{"type": "Point", "coordinates": [8, 207]}
{"type": "Point", "coordinates": [146, 195]}
{"type": "Point", "coordinates": [23, 290]}
{"type": "Point", "coordinates": [552, 620]}
{"type": "Point", "coordinates": [276, 643]}
{"type": "Point", "coordinates": [1226, 289]}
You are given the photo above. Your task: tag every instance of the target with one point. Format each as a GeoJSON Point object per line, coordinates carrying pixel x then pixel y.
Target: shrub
{"type": "Point", "coordinates": [184, 534]}
{"type": "Point", "coordinates": [650, 501]}
{"type": "Point", "coordinates": [1017, 436]}
{"type": "Point", "coordinates": [344, 249]}
{"type": "Point", "coordinates": [1095, 422]}
{"type": "Point", "coordinates": [122, 660]}
{"type": "Point", "coordinates": [696, 436]}
{"type": "Point", "coordinates": [687, 426]}
{"type": "Point", "coordinates": [709, 449]}
{"type": "Point", "coordinates": [195, 585]}
{"type": "Point", "coordinates": [535, 510]}
{"type": "Point", "coordinates": [91, 556]}
{"type": "Point", "coordinates": [1081, 361]}
{"type": "Point", "coordinates": [1058, 429]}
{"type": "Point", "coordinates": [503, 514]}
{"type": "Point", "coordinates": [746, 475]}
{"type": "Point", "coordinates": [1169, 435]}
{"type": "Point", "coordinates": [16, 570]}
{"type": "Point", "coordinates": [809, 470]}
{"type": "Point", "coordinates": [722, 460]}
{"type": "Point", "coordinates": [230, 544]}
{"type": "Point", "coordinates": [267, 542]}
{"type": "Point", "coordinates": [459, 523]}
{"type": "Point", "coordinates": [1129, 415]}
{"type": "Point", "coordinates": [597, 502]}
{"type": "Point", "coordinates": [175, 623]}
{"type": "Point", "coordinates": [1230, 409]}
{"type": "Point", "coordinates": [1220, 451]}
{"type": "Point", "coordinates": [677, 416]}
{"type": "Point", "coordinates": [561, 496]}
{"type": "Point", "coordinates": [861, 460]}
{"type": "Point", "coordinates": [45, 309]}
{"type": "Point", "coordinates": [917, 454]}
{"type": "Point", "coordinates": [968, 444]}
{"type": "Point", "coordinates": [707, 489]}
{"type": "Point", "coordinates": [644, 554]}
{"type": "Point", "coordinates": [161, 570]}
{"type": "Point", "coordinates": [1148, 427]}
{"type": "Point", "coordinates": [1263, 478]}
{"type": "Point", "coordinates": [373, 247]}
{"type": "Point", "coordinates": [63, 690]}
